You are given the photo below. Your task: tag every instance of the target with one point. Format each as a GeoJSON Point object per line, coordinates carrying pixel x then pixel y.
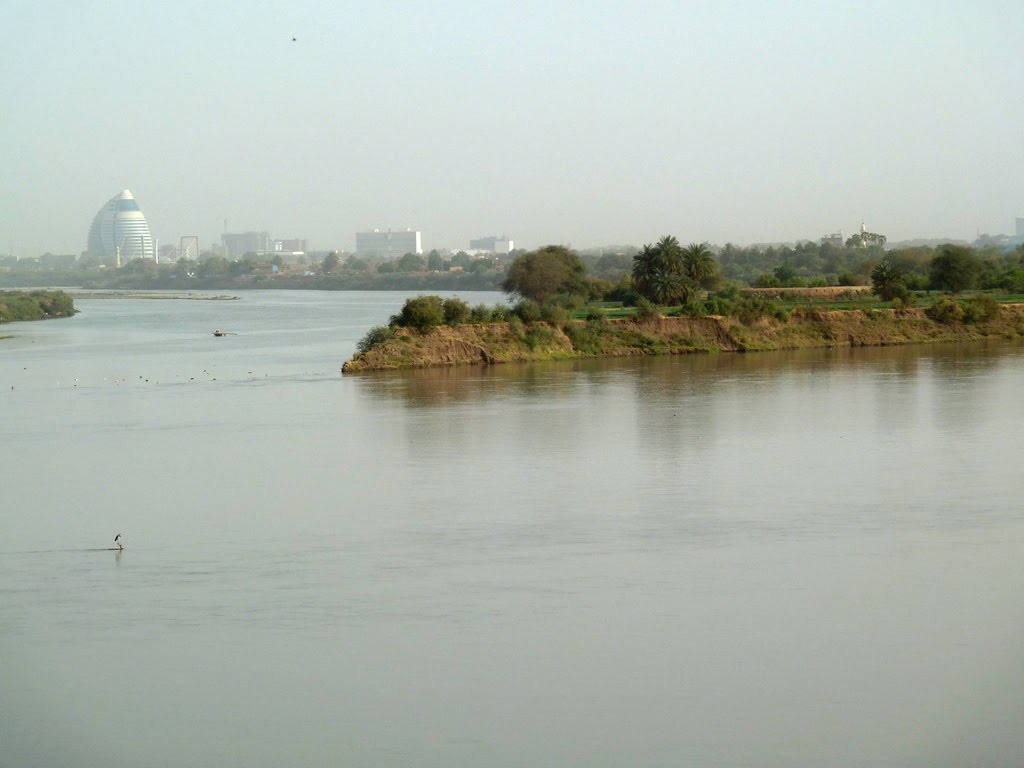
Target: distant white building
{"type": "Point", "coordinates": [388, 243]}
{"type": "Point", "coordinates": [119, 233]}
{"type": "Point", "coordinates": [492, 244]}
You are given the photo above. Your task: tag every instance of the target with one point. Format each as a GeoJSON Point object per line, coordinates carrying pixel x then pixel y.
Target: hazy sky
{"type": "Point", "coordinates": [555, 121]}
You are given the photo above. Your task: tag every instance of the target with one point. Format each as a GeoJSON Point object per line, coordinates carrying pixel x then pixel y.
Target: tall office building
{"type": "Point", "coordinates": [119, 233]}
{"type": "Point", "coordinates": [388, 243]}
{"type": "Point", "coordinates": [1020, 227]}
{"type": "Point", "coordinates": [237, 244]}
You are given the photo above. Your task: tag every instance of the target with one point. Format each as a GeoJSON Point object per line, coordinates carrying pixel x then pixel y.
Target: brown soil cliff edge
{"type": "Point", "coordinates": [493, 343]}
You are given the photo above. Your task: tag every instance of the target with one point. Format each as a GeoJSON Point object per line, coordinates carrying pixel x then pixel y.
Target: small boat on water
{"type": "Point", "coordinates": [219, 332]}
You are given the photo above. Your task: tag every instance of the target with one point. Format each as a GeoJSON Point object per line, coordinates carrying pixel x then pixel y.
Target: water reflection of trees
{"type": "Point", "coordinates": [712, 448]}
{"type": "Point", "coordinates": [440, 387]}
{"type": "Point", "coordinates": [691, 393]}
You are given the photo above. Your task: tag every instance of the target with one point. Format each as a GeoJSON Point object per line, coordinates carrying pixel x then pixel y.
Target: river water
{"type": "Point", "coordinates": [799, 559]}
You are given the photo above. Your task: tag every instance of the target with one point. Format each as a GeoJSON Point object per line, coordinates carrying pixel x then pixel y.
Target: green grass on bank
{"type": "Point", "coordinates": [788, 303]}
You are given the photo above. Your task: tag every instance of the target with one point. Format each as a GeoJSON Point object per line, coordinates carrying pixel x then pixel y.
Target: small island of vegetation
{"type": "Point", "coordinates": [675, 301]}
{"type": "Point", "coordinates": [34, 305]}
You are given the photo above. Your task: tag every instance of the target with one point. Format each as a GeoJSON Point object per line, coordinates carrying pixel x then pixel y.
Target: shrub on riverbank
{"type": "Point", "coordinates": [976, 309]}
{"type": "Point", "coordinates": [34, 305]}
{"type": "Point", "coordinates": [373, 337]}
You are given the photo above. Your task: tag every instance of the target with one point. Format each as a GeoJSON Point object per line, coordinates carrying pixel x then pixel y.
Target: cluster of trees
{"type": "Point", "coordinates": [663, 273]}
{"type": "Point", "coordinates": [810, 265]}
{"type": "Point", "coordinates": [798, 263]}
{"type": "Point", "coordinates": [668, 273]}
{"type": "Point", "coordinates": [952, 268]}
{"type": "Point", "coordinates": [434, 261]}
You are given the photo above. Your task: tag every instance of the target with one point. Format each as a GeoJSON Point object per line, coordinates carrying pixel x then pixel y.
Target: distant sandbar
{"type": "Point", "coordinates": [115, 294]}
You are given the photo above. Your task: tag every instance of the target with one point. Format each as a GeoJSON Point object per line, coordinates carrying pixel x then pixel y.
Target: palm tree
{"type": "Point", "coordinates": [887, 280]}
{"type": "Point", "coordinates": [659, 274]}
{"type": "Point", "coordinates": [699, 264]}
{"type": "Point", "coordinates": [644, 269]}
{"type": "Point", "coordinates": [670, 254]}
{"type": "Point", "coordinates": [666, 287]}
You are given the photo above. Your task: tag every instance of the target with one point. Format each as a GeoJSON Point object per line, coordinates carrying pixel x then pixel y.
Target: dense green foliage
{"type": "Point", "coordinates": [976, 309]}
{"type": "Point", "coordinates": [34, 305]}
{"type": "Point", "coordinates": [954, 268]}
{"type": "Point", "coordinates": [373, 337]}
{"type": "Point", "coordinates": [887, 281]}
{"type": "Point", "coordinates": [456, 311]}
{"type": "Point", "coordinates": [800, 263]}
{"type": "Point", "coordinates": [425, 312]}
{"type": "Point", "coordinates": [659, 273]}
{"type": "Point", "coordinates": [541, 274]}
{"type": "Point", "coordinates": [421, 313]}
{"type": "Point", "coordinates": [700, 266]}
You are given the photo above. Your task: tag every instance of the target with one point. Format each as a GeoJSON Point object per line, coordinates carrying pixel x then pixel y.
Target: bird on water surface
{"type": "Point", "coordinates": [117, 540]}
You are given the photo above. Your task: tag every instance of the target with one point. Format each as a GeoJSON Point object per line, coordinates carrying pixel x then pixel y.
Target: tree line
{"type": "Point", "coordinates": [668, 273]}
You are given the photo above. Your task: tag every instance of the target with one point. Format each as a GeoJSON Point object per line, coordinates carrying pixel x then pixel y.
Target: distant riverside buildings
{"type": "Point", "coordinates": [237, 244]}
{"type": "Point", "coordinates": [1003, 241]}
{"type": "Point", "coordinates": [388, 243]}
{"type": "Point", "coordinates": [291, 245]}
{"type": "Point", "coordinates": [492, 244]}
{"type": "Point", "coordinates": [861, 239]}
{"type": "Point", "coordinates": [119, 233]}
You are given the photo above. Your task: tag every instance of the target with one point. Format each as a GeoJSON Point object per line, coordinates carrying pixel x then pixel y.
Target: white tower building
{"type": "Point", "coordinates": [119, 233]}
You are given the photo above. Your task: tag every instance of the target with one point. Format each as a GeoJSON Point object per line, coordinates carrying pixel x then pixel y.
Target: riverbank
{"type": "Point", "coordinates": [505, 342]}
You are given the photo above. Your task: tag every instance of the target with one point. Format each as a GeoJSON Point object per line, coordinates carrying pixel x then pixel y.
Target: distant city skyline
{"type": "Point", "coordinates": [591, 124]}
{"type": "Point", "coordinates": [237, 243]}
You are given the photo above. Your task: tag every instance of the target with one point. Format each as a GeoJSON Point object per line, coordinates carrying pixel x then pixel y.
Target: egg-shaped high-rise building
{"type": "Point", "coordinates": [119, 233]}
